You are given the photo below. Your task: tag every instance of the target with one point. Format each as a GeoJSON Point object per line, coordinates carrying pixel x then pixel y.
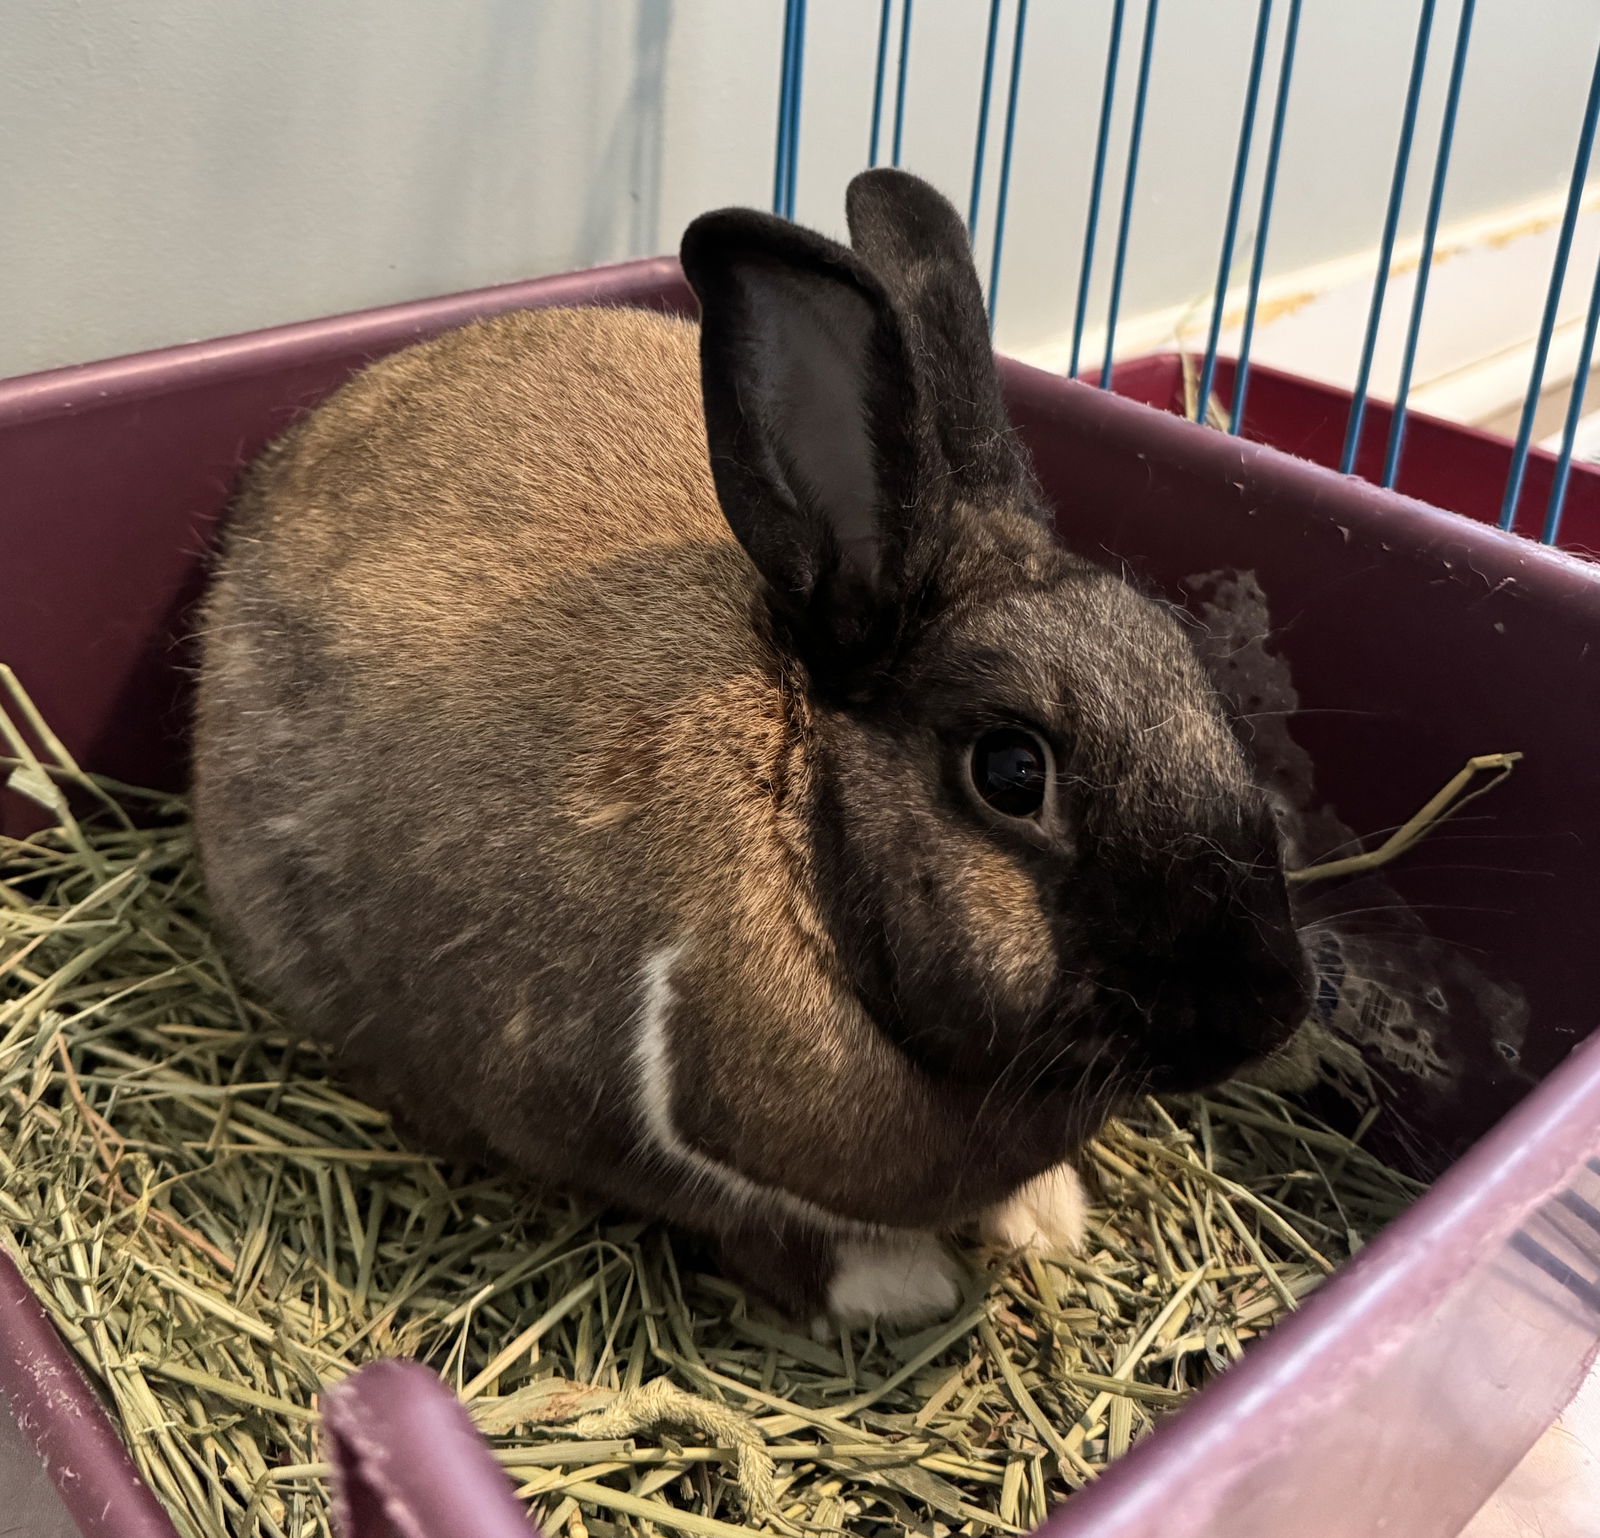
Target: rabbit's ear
{"type": "Point", "coordinates": [917, 245]}
{"type": "Point", "coordinates": [813, 419]}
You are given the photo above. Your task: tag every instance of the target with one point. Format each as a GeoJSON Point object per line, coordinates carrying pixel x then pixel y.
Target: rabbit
{"type": "Point", "coordinates": [679, 762]}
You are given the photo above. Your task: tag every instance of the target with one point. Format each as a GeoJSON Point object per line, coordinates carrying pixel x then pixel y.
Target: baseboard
{"type": "Point", "coordinates": [1487, 286]}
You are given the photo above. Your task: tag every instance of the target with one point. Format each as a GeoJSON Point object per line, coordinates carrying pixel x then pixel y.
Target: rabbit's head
{"type": "Point", "coordinates": [1036, 839]}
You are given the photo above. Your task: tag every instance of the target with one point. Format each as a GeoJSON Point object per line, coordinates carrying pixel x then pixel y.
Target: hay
{"type": "Point", "coordinates": [219, 1231]}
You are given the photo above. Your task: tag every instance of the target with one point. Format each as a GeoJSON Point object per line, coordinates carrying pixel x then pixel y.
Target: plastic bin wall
{"type": "Point", "coordinates": [1407, 1387]}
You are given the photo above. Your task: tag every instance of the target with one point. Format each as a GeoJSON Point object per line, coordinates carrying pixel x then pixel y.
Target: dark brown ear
{"type": "Point", "coordinates": [917, 244]}
{"type": "Point", "coordinates": [813, 418]}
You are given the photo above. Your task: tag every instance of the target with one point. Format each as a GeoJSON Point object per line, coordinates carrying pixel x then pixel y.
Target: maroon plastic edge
{"type": "Point", "coordinates": [87, 386]}
{"type": "Point", "coordinates": [1283, 1401]}
{"type": "Point", "coordinates": [1324, 493]}
{"type": "Point", "coordinates": [1448, 464]}
{"type": "Point", "coordinates": [56, 1410]}
{"type": "Point", "coordinates": [392, 1432]}
{"type": "Point", "coordinates": [1155, 368]}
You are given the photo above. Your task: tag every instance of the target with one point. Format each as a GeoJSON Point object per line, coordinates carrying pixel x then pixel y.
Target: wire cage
{"type": "Point", "coordinates": [1540, 488]}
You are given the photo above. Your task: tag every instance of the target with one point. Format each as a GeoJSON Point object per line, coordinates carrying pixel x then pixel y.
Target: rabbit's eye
{"type": "Point", "coordinates": [1011, 770]}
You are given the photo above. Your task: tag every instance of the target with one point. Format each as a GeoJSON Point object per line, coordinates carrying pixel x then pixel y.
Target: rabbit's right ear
{"type": "Point", "coordinates": [812, 419]}
{"type": "Point", "coordinates": [915, 241]}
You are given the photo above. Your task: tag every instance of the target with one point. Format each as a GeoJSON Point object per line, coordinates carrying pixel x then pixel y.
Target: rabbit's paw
{"type": "Point", "coordinates": [892, 1279]}
{"type": "Point", "coordinates": [1045, 1217]}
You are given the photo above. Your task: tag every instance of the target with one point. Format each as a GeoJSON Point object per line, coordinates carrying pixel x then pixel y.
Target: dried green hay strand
{"type": "Point", "coordinates": [219, 1232]}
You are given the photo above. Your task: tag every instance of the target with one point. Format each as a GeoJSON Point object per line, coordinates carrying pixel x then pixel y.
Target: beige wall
{"type": "Point", "coordinates": [172, 169]}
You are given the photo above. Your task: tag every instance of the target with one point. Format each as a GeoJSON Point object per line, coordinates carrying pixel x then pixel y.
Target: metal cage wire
{"type": "Point", "coordinates": [895, 40]}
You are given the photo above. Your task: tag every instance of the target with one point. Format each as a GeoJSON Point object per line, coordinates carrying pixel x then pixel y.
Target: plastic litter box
{"type": "Point", "coordinates": [1460, 468]}
{"type": "Point", "coordinates": [1406, 1388]}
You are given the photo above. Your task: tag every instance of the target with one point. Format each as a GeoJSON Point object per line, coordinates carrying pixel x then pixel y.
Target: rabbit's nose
{"type": "Point", "coordinates": [1283, 994]}
{"type": "Point", "coordinates": [1224, 995]}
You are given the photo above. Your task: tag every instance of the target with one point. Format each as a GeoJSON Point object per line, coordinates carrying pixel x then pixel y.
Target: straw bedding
{"type": "Point", "coordinates": [219, 1231]}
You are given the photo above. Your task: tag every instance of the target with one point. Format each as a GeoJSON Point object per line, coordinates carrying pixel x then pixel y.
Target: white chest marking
{"type": "Point", "coordinates": [653, 1066]}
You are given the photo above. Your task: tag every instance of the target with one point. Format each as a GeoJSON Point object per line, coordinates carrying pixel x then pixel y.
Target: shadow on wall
{"type": "Point", "coordinates": [614, 131]}
{"type": "Point", "coordinates": [617, 138]}
{"type": "Point", "coordinates": [632, 155]}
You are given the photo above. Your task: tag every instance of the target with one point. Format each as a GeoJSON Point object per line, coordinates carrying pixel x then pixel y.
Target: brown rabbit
{"type": "Point", "coordinates": [792, 841]}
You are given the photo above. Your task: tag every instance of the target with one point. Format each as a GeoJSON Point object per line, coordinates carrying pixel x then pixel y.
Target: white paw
{"type": "Point", "coordinates": [896, 1279]}
{"type": "Point", "coordinates": [1045, 1217]}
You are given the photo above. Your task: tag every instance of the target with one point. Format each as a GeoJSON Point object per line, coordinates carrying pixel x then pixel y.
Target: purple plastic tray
{"type": "Point", "coordinates": [1410, 1384]}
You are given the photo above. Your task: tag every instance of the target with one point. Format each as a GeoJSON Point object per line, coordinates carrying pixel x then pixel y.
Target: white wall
{"type": "Point", "coordinates": [172, 169]}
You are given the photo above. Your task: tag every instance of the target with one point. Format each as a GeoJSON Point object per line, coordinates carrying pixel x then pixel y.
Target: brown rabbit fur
{"type": "Point", "coordinates": [612, 807]}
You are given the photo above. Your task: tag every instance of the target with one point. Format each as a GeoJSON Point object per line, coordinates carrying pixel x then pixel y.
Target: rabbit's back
{"type": "Point", "coordinates": [462, 477]}
{"type": "Point", "coordinates": [482, 693]}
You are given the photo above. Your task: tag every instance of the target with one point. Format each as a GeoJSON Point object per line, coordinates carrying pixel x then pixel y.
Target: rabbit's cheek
{"type": "Point", "coordinates": [1007, 926]}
